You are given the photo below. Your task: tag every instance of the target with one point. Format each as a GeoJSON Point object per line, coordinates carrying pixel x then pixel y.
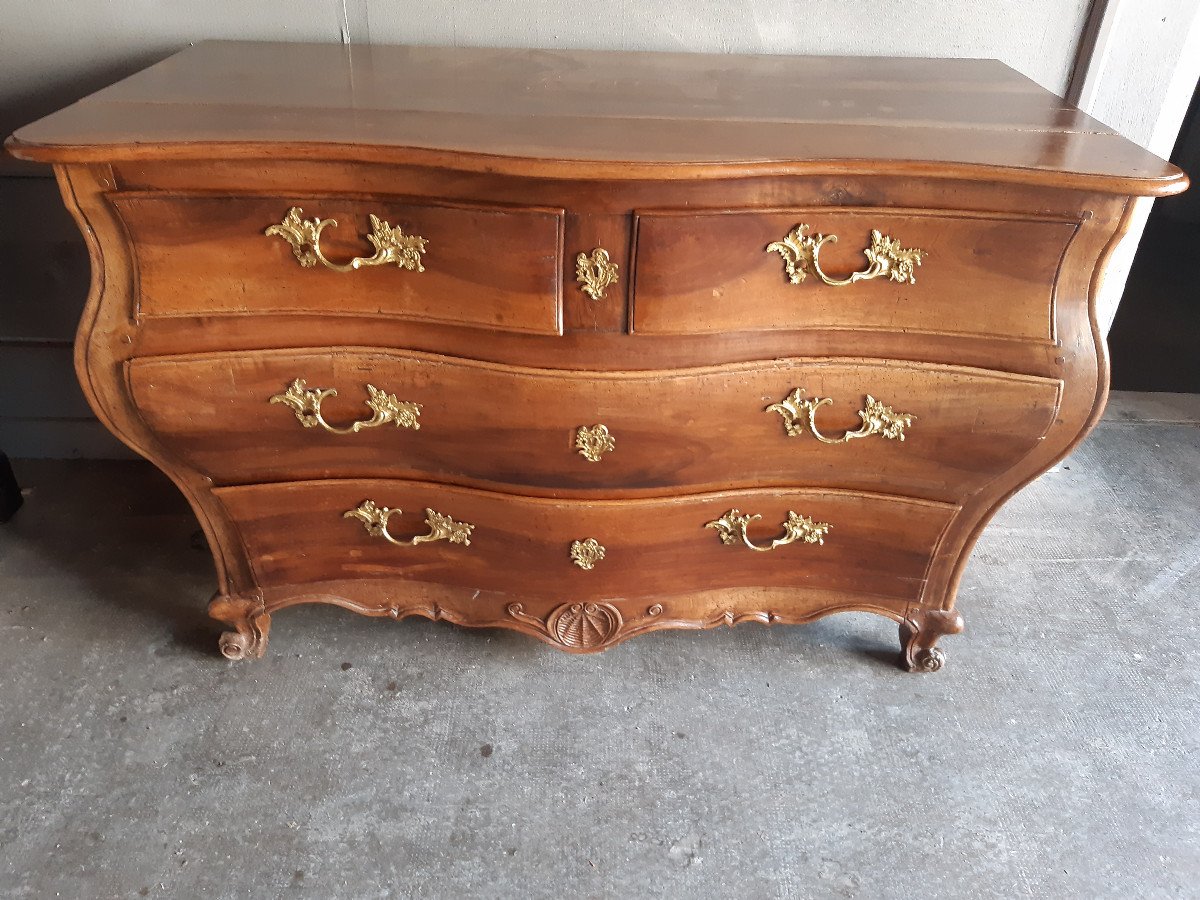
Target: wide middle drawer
{"type": "Point", "coordinates": [917, 428]}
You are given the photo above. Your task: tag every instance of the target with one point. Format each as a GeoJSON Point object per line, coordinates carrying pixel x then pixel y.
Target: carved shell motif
{"type": "Point", "coordinates": [579, 626]}
{"type": "Point", "coordinates": [584, 624]}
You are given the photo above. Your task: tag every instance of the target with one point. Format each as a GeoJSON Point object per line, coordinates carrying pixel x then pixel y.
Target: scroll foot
{"type": "Point", "coordinates": [251, 625]}
{"type": "Point", "coordinates": [920, 631]}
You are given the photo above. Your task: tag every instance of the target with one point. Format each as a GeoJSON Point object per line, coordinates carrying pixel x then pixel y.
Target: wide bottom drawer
{"type": "Point", "coordinates": [860, 543]}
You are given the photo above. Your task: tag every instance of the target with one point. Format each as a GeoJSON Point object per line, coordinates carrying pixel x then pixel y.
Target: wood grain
{"type": "Point", "coordinates": [611, 115]}
{"type": "Point", "coordinates": [491, 267]}
{"type": "Point", "coordinates": [296, 533]}
{"type": "Point", "coordinates": [709, 272]}
{"type": "Point", "coordinates": [503, 426]}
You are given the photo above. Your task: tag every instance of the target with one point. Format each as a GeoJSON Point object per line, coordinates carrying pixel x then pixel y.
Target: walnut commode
{"type": "Point", "coordinates": [588, 345]}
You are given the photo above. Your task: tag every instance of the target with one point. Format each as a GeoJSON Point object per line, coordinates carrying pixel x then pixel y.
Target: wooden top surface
{"type": "Point", "coordinates": [631, 115]}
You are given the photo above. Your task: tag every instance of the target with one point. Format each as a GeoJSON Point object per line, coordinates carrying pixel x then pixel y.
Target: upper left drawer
{"type": "Point", "coordinates": [494, 267]}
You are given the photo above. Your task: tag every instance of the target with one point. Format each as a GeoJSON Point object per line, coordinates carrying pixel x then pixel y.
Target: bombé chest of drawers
{"type": "Point", "coordinates": [588, 345]}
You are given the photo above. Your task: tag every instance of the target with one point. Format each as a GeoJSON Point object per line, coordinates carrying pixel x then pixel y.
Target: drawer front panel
{"type": "Point", "coordinates": [297, 532]}
{"type": "Point", "coordinates": [517, 426]}
{"type": "Point", "coordinates": [489, 267]}
{"type": "Point", "coordinates": [978, 275]}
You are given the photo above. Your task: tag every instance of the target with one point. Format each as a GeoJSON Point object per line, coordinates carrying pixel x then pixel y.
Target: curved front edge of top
{"type": "Point", "coordinates": [1169, 180]}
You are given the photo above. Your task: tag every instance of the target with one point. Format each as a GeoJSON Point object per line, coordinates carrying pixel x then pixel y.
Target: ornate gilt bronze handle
{"type": "Point", "coordinates": [392, 245]}
{"type": "Point", "coordinates": [306, 402]}
{"type": "Point", "coordinates": [732, 526]}
{"type": "Point", "coordinates": [374, 519]}
{"type": "Point", "coordinates": [799, 411]}
{"type": "Point", "coordinates": [801, 254]}
{"type": "Point", "coordinates": [595, 273]}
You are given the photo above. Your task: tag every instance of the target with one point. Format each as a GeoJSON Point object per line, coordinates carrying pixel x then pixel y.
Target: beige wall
{"type": "Point", "coordinates": [1139, 79]}
{"type": "Point", "coordinates": [54, 51]}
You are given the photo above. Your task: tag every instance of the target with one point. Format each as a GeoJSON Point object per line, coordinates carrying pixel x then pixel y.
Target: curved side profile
{"type": "Point", "coordinates": [897, 549]}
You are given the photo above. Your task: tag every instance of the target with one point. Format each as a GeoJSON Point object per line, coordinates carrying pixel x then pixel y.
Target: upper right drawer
{"type": "Point", "coordinates": [937, 272]}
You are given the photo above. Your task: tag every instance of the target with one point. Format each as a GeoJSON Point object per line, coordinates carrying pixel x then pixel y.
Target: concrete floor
{"type": "Point", "coordinates": [1055, 756]}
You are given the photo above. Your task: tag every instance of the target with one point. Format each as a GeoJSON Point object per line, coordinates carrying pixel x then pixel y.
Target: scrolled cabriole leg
{"type": "Point", "coordinates": [920, 631]}
{"type": "Point", "coordinates": [250, 621]}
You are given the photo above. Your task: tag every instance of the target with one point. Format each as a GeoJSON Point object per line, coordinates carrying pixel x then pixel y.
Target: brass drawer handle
{"type": "Point", "coordinates": [592, 443]}
{"type": "Point", "coordinates": [392, 245]}
{"type": "Point", "coordinates": [731, 528]}
{"type": "Point", "coordinates": [374, 519]}
{"type": "Point", "coordinates": [877, 418]}
{"type": "Point", "coordinates": [801, 253]}
{"type": "Point", "coordinates": [595, 273]}
{"type": "Point", "coordinates": [306, 402]}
